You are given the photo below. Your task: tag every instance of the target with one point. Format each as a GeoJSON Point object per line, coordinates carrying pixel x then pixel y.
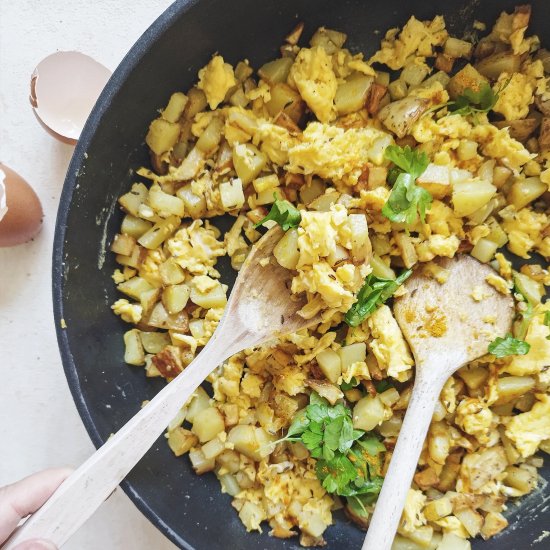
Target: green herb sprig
{"type": "Point", "coordinates": [348, 460]}
{"type": "Point", "coordinates": [503, 347]}
{"type": "Point", "coordinates": [372, 295]}
{"type": "Point", "coordinates": [407, 200]}
{"type": "Point", "coordinates": [510, 345]}
{"type": "Point", "coordinates": [284, 213]}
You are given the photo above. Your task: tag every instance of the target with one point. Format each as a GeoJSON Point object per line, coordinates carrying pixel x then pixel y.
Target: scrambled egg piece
{"type": "Point", "coordinates": [481, 468]}
{"type": "Point", "coordinates": [388, 345]}
{"type": "Point", "coordinates": [529, 429]}
{"type": "Point", "coordinates": [524, 230]}
{"type": "Point", "coordinates": [538, 358]}
{"type": "Point", "coordinates": [475, 418]}
{"type": "Point", "coordinates": [196, 248]}
{"type": "Point", "coordinates": [334, 153]}
{"type": "Point", "coordinates": [324, 240]}
{"type": "Point", "coordinates": [313, 75]}
{"type": "Point", "coordinates": [498, 283]}
{"type": "Point", "coordinates": [412, 516]}
{"type": "Point", "coordinates": [131, 313]}
{"type": "Point", "coordinates": [216, 79]}
{"type": "Point", "coordinates": [416, 38]}
{"type": "Point", "coordinates": [510, 28]}
{"type": "Point", "coordinates": [515, 96]}
{"type": "Point", "coordinates": [497, 143]}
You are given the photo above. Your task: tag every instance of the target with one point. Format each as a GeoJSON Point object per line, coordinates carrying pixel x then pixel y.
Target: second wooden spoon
{"type": "Point", "coordinates": [446, 325]}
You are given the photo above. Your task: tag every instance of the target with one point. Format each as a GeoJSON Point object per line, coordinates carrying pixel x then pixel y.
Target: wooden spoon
{"type": "Point", "coordinates": [259, 308]}
{"type": "Point", "coordinates": [445, 328]}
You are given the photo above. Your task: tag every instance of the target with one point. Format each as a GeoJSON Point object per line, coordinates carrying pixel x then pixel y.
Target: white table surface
{"type": "Point", "coordinates": [39, 424]}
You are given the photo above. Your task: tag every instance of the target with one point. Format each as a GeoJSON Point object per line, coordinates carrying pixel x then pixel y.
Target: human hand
{"type": "Point", "coordinates": [24, 497]}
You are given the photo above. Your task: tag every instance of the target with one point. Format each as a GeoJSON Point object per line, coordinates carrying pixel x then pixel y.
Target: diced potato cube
{"type": "Point", "coordinates": [134, 227]}
{"type": "Point", "coordinates": [195, 205]}
{"type": "Point", "coordinates": [525, 191]}
{"type": "Point", "coordinates": [207, 424]}
{"type": "Point", "coordinates": [523, 479]}
{"type": "Point", "coordinates": [467, 77]}
{"type": "Point", "coordinates": [310, 192]}
{"type": "Point", "coordinates": [181, 441]}
{"type": "Point", "coordinates": [450, 541]}
{"type": "Point", "coordinates": [232, 194]}
{"type": "Point", "coordinates": [175, 107]}
{"type": "Point", "coordinates": [175, 297]}
{"type": "Point", "coordinates": [497, 234]}
{"type": "Point", "coordinates": [328, 39]}
{"type": "Point", "coordinates": [196, 103]}
{"type": "Point", "coordinates": [352, 354]}
{"type": "Point", "coordinates": [200, 463]}
{"type": "Point", "coordinates": [134, 287]}
{"type": "Point", "coordinates": [162, 135]}
{"type": "Point", "coordinates": [360, 243]}
{"type": "Point", "coordinates": [389, 397]}
{"type": "Point", "coordinates": [154, 342]}
{"type": "Point", "coordinates": [211, 136]}
{"type": "Point", "coordinates": [159, 232]}
{"type": "Point", "coordinates": [149, 298]}
{"type": "Point", "coordinates": [199, 402]}
{"type": "Point", "coordinates": [437, 509]}
{"type": "Point", "coordinates": [469, 196]}
{"type": "Point", "coordinates": [268, 196]}
{"type": "Point", "coordinates": [130, 261]}
{"type": "Point", "coordinates": [398, 89]}
{"type": "Point", "coordinates": [471, 520]}
{"type": "Point", "coordinates": [266, 183]}
{"type": "Point", "coordinates": [160, 318]}
{"type": "Point", "coordinates": [243, 438]}
{"type": "Point", "coordinates": [494, 523]}
{"type": "Point", "coordinates": [509, 388]}
{"type": "Point", "coordinates": [287, 100]}
{"type": "Point", "coordinates": [368, 413]}
{"type": "Point", "coordinates": [436, 180]}
{"type": "Point", "coordinates": [353, 93]}
{"type": "Point", "coordinates": [484, 250]}
{"type": "Point", "coordinates": [467, 149]}
{"type": "Point", "coordinates": [494, 65]}
{"type": "Point", "coordinates": [171, 273]}
{"type": "Point", "coordinates": [455, 47]}
{"type": "Point", "coordinates": [286, 250]}
{"type": "Point", "coordinates": [276, 71]}
{"type": "Point", "coordinates": [123, 244]}
{"type": "Point", "coordinates": [196, 327]}
{"type": "Point", "coordinates": [214, 297]}
{"type": "Point", "coordinates": [531, 289]}
{"type": "Point", "coordinates": [330, 364]}
{"type": "Point", "coordinates": [132, 200]}
{"type": "Point", "coordinates": [213, 448]}
{"type": "Point", "coordinates": [164, 204]}
{"type": "Point", "coordinates": [133, 354]}
{"type": "Point", "coordinates": [380, 268]}
{"type": "Point", "coordinates": [413, 74]}
{"type": "Point", "coordinates": [191, 165]}
{"type": "Point", "coordinates": [248, 161]}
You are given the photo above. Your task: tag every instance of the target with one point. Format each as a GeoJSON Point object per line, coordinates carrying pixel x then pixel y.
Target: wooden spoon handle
{"type": "Point", "coordinates": [391, 500]}
{"type": "Point", "coordinates": [83, 492]}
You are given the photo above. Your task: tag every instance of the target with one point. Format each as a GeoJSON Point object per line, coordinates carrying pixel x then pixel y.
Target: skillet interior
{"type": "Point", "coordinates": [189, 509]}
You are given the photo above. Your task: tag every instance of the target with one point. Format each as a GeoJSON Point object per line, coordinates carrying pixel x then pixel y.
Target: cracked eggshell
{"type": "Point", "coordinates": [64, 88]}
{"type": "Point", "coordinates": [20, 209]}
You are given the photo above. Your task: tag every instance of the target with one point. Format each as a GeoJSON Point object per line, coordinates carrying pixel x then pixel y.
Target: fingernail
{"type": "Point", "coordinates": [36, 545]}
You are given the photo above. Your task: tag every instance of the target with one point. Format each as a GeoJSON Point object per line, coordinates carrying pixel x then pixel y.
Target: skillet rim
{"type": "Point", "coordinates": [112, 88]}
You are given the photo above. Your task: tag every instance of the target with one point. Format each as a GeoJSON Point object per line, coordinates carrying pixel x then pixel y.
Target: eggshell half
{"type": "Point", "coordinates": [64, 88]}
{"type": "Point", "coordinates": [22, 219]}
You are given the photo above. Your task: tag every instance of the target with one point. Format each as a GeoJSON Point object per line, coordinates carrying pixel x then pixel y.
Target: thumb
{"type": "Point", "coordinates": [36, 545]}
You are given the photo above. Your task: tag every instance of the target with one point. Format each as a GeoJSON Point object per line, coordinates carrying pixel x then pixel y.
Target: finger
{"type": "Point", "coordinates": [36, 545]}
{"type": "Point", "coordinates": [26, 496]}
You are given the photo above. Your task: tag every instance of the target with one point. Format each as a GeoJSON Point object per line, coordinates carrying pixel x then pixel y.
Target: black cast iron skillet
{"type": "Point", "coordinates": [189, 509]}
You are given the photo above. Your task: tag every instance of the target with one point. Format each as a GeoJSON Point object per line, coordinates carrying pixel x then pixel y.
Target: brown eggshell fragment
{"type": "Point", "coordinates": [64, 89]}
{"type": "Point", "coordinates": [21, 209]}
